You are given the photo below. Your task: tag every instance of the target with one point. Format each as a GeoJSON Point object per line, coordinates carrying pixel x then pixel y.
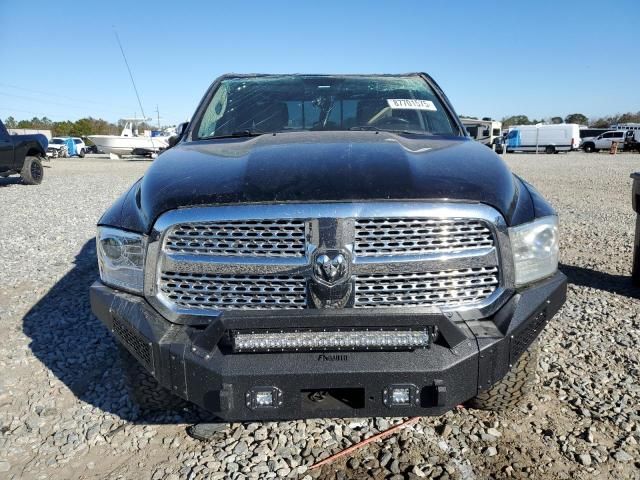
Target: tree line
{"type": "Point", "coordinates": [97, 126]}
{"type": "Point", "coordinates": [579, 118]}
{"type": "Point", "coordinates": [79, 128]}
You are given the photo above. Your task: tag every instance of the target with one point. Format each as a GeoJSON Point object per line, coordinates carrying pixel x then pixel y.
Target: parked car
{"type": "Point", "coordinates": [604, 140]}
{"type": "Point", "coordinates": [58, 148]}
{"type": "Point", "coordinates": [562, 137]}
{"type": "Point", "coordinates": [343, 250]}
{"type": "Point", "coordinates": [81, 148]}
{"type": "Point", "coordinates": [22, 155]}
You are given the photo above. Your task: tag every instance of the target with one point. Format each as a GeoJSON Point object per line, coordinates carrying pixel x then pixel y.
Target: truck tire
{"type": "Point", "coordinates": [144, 389]}
{"type": "Point", "coordinates": [588, 147]}
{"type": "Point", "coordinates": [515, 385]}
{"type": "Point", "coordinates": [550, 149]}
{"type": "Point", "coordinates": [32, 171]}
{"type": "Point", "coordinates": [82, 153]}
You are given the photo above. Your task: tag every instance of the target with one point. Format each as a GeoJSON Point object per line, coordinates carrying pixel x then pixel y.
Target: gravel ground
{"type": "Point", "coordinates": [64, 412]}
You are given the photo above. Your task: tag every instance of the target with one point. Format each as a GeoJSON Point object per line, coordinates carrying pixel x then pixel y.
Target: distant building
{"type": "Point", "coordinates": [29, 131]}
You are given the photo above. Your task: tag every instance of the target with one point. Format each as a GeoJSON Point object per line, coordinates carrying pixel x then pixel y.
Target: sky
{"type": "Point", "coordinates": [492, 58]}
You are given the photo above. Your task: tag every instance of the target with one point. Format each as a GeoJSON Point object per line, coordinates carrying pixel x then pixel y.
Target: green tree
{"type": "Point", "coordinates": [515, 120]}
{"type": "Point", "coordinates": [556, 120]}
{"type": "Point", "coordinates": [600, 123]}
{"type": "Point", "coordinates": [578, 118]}
{"type": "Point", "coordinates": [62, 129]}
{"type": "Point", "coordinates": [10, 122]}
{"type": "Point", "coordinates": [629, 117]}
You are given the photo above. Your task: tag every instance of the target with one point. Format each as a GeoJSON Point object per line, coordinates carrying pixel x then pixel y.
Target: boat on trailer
{"type": "Point", "coordinates": [129, 142]}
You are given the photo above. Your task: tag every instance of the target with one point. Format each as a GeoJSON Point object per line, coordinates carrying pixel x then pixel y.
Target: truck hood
{"type": "Point", "coordinates": [31, 137]}
{"type": "Point", "coordinates": [324, 167]}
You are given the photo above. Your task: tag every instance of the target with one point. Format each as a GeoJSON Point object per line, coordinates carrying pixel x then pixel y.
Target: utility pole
{"type": "Point", "coordinates": [158, 113]}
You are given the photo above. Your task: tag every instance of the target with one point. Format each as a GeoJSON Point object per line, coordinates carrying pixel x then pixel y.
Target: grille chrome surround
{"type": "Point", "coordinates": [447, 287]}
{"type": "Point", "coordinates": [377, 237]}
{"type": "Point", "coordinates": [328, 226]}
{"type": "Point", "coordinates": [233, 292]}
{"type": "Point", "coordinates": [259, 238]}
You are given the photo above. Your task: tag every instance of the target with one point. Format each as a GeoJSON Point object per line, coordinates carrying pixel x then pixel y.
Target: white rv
{"type": "Point", "coordinates": [562, 137]}
{"type": "Point", "coordinates": [483, 131]}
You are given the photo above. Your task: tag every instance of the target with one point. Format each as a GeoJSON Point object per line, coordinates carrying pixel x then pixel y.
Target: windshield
{"type": "Point", "coordinates": [57, 140]}
{"type": "Point", "coordinates": [254, 105]}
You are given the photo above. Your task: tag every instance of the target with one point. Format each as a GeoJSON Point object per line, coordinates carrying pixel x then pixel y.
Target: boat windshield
{"type": "Point", "coordinates": [274, 103]}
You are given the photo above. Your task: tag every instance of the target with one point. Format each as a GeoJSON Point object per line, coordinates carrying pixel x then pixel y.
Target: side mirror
{"type": "Point", "coordinates": [173, 140]}
{"type": "Point", "coordinates": [181, 128]}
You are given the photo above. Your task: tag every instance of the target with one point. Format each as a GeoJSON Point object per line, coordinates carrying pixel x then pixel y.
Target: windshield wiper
{"type": "Point", "coordinates": [373, 128]}
{"type": "Point", "coordinates": [366, 128]}
{"type": "Point", "coordinates": [238, 134]}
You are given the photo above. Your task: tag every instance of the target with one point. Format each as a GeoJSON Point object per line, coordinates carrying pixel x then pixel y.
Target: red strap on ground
{"type": "Point", "coordinates": [377, 436]}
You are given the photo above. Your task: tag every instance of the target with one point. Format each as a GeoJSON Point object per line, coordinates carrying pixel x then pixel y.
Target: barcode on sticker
{"type": "Point", "coordinates": [411, 104]}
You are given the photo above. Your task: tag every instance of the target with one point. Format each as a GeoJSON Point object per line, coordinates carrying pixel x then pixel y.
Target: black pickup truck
{"type": "Point", "coordinates": [328, 246]}
{"type": "Point", "coordinates": [22, 155]}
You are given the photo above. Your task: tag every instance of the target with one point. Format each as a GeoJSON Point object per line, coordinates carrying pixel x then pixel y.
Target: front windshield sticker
{"type": "Point", "coordinates": [411, 104]}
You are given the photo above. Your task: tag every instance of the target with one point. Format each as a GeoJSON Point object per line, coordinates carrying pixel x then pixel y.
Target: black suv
{"type": "Point", "coordinates": [328, 246]}
{"type": "Point", "coordinates": [22, 155]}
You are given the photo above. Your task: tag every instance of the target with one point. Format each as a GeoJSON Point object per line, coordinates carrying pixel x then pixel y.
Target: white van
{"type": "Point", "coordinates": [562, 137]}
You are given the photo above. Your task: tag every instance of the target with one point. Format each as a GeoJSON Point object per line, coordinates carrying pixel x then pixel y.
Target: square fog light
{"type": "Point", "coordinates": [263, 397]}
{"type": "Point", "coordinates": [400, 395]}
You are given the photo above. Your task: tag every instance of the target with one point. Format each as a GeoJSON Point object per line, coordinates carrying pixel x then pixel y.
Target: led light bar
{"type": "Point", "coordinates": [330, 340]}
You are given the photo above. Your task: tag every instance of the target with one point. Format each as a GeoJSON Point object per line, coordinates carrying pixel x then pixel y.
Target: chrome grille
{"type": "Point", "coordinates": [447, 287]}
{"type": "Point", "coordinates": [414, 236]}
{"type": "Point", "coordinates": [249, 292]}
{"type": "Point", "coordinates": [211, 259]}
{"type": "Point", "coordinates": [258, 238]}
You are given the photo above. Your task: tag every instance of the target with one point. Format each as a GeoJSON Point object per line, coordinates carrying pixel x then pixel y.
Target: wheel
{"type": "Point", "coordinates": [550, 149]}
{"type": "Point", "coordinates": [144, 389]}
{"type": "Point", "coordinates": [32, 171]}
{"type": "Point", "coordinates": [515, 385]}
{"type": "Point", "coordinates": [82, 153]}
{"type": "Point", "coordinates": [588, 147]}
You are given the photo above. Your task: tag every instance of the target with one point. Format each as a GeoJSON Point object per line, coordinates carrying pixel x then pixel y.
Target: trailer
{"type": "Point", "coordinates": [483, 131]}
{"type": "Point", "coordinates": [562, 137]}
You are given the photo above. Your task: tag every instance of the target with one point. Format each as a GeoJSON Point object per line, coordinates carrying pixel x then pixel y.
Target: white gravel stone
{"type": "Point", "coordinates": [63, 399]}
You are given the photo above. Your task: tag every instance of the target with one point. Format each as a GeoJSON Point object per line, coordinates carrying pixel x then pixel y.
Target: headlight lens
{"type": "Point", "coordinates": [535, 247]}
{"type": "Point", "coordinates": [121, 258]}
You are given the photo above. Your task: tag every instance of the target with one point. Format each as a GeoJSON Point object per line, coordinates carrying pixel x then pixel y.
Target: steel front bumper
{"type": "Point", "coordinates": [467, 356]}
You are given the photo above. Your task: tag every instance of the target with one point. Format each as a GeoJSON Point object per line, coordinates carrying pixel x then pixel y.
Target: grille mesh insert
{"type": "Point", "coordinates": [414, 236]}
{"type": "Point", "coordinates": [247, 292]}
{"type": "Point", "coordinates": [448, 287]}
{"type": "Point", "coordinates": [259, 238]}
{"type": "Point", "coordinates": [137, 344]}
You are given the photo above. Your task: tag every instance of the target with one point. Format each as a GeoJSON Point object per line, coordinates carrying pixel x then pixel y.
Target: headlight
{"type": "Point", "coordinates": [121, 258]}
{"type": "Point", "coordinates": [535, 247]}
